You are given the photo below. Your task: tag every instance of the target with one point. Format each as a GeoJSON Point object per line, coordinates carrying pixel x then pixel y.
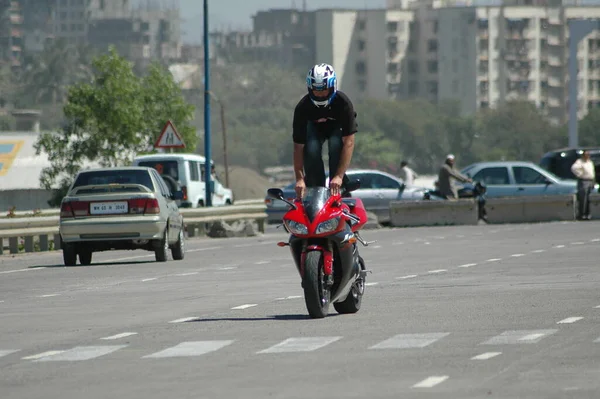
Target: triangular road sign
{"type": "Point", "coordinates": [169, 138]}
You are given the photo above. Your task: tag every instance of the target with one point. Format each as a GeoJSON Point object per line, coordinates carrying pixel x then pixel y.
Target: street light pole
{"type": "Point", "coordinates": [207, 155]}
{"type": "Point", "coordinates": [224, 130]}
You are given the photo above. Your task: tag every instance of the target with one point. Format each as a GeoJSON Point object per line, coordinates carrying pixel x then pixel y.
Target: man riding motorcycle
{"type": "Point", "coordinates": [324, 114]}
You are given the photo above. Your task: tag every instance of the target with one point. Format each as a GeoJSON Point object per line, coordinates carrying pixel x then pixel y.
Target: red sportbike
{"type": "Point", "coordinates": [324, 232]}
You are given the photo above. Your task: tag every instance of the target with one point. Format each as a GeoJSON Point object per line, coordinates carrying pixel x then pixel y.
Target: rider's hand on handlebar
{"type": "Point", "coordinates": [335, 185]}
{"type": "Point", "coordinates": [300, 186]}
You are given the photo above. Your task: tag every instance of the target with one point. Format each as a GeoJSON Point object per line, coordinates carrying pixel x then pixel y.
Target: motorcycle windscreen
{"type": "Point", "coordinates": [314, 200]}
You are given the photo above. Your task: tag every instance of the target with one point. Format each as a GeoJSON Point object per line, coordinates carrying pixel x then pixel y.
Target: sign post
{"type": "Point", "coordinates": [169, 138]}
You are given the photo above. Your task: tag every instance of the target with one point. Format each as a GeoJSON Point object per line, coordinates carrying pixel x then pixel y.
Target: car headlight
{"type": "Point", "coordinates": [328, 225]}
{"type": "Point", "coordinates": [296, 228]}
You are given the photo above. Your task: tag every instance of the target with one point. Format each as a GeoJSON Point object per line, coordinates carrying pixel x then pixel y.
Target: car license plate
{"type": "Point", "coordinates": [107, 208]}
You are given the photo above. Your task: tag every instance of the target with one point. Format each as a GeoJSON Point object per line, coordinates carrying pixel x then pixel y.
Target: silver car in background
{"type": "Point", "coordinates": [377, 190]}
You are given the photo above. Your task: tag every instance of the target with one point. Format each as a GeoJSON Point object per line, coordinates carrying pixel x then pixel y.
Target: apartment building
{"type": "Point", "coordinates": [367, 48]}
{"type": "Point", "coordinates": [11, 34]}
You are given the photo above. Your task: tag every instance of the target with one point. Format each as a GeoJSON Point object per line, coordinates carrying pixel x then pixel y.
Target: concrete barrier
{"type": "Point", "coordinates": [594, 206]}
{"type": "Point", "coordinates": [433, 213]}
{"type": "Point", "coordinates": [531, 209]}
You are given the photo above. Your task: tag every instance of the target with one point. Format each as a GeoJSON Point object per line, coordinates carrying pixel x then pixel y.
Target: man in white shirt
{"type": "Point", "coordinates": [407, 174]}
{"type": "Point", "coordinates": [585, 172]}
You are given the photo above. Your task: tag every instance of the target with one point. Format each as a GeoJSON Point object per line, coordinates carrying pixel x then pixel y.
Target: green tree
{"type": "Point", "coordinates": [112, 118]}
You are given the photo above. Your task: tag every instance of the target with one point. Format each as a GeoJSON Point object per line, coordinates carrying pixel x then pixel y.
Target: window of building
{"type": "Point", "coordinates": [455, 65]}
{"type": "Point", "coordinates": [455, 87]}
{"type": "Point", "coordinates": [361, 68]}
{"type": "Point", "coordinates": [432, 87]}
{"type": "Point", "coordinates": [362, 85]}
{"type": "Point", "coordinates": [393, 68]}
{"type": "Point", "coordinates": [413, 67]}
{"type": "Point", "coordinates": [361, 24]}
{"type": "Point", "coordinates": [392, 43]}
{"type": "Point", "coordinates": [392, 26]}
{"type": "Point", "coordinates": [432, 66]}
{"type": "Point", "coordinates": [435, 25]}
{"type": "Point", "coordinates": [361, 45]}
{"type": "Point", "coordinates": [412, 46]}
{"type": "Point", "coordinates": [432, 45]}
{"type": "Point", "coordinates": [413, 87]}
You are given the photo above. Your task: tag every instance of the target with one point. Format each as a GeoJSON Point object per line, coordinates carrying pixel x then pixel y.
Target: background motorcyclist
{"type": "Point", "coordinates": [323, 114]}
{"type": "Point", "coordinates": [447, 176]}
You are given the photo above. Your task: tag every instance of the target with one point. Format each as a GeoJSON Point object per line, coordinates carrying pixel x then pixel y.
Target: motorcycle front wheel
{"type": "Point", "coordinates": [316, 291]}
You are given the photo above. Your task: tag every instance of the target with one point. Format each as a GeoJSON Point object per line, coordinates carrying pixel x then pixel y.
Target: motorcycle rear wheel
{"type": "Point", "coordinates": [316, 292]}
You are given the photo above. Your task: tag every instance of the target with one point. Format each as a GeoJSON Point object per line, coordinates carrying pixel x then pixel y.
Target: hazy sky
{"type": "Point", "coordinates": [236, 14]}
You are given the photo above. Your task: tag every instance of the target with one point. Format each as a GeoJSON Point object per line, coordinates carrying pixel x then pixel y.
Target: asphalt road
{"type": "Point", "coordinates": [450, 312]}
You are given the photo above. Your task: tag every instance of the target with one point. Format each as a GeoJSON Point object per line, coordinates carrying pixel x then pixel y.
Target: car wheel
{"type": "Point", "coordinates": [178, 250]}
{"type": "Point", "coordinates": [161, 251]}
{"type": "Point", "coordinates": [69, 254]}
{"type": "Point", "coordinates": [85, 256]}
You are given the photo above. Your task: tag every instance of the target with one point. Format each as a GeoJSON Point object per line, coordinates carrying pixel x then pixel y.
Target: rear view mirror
{"type": "Point", "coordinates": [275, 193]}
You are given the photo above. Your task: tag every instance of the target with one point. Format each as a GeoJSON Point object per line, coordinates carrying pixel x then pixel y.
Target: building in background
{"type": "Point", "coordinates": [11, 34]}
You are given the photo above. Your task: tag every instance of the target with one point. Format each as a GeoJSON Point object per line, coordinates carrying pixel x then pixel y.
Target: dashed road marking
{"type": "Point", "coordinates": [407, 277]}
{"type": "Point", "coordinates": [467, 265]}
{"type": "Point", "coordinates": [304, 344]}
{"type": "Point", "coordinates": [430, 382]}
{"type": "Point", "coordinates": [186, 349]}
{"type": "Point", "coordinates": [7, 352]}
{"type": "Point", "coordinates": [186, 274]}
{"type": "Point", "coordinates": [486, 356]}
{"type": "Point", "coordinates": [538, 251]}
{"type": "Point", "coordinates": [149, 279]}
{"type": "Point", "coordinates": [81, 353]}
{"type": "Point", "coordinates": [262, 262]}
{"type": "Point", "coordinates": [570, 320]}
{"type": "Point", "coordinates": [404, 341]}
{"type": "Point", "coordinates": [48, 295]}
{"type": "Point", "coordinates": [371, 284]}
{"type": "Point", "coordinates": [493, 260]}
{"type": "Point", "coordinates": [246, 306]}
{"type": "Point", "coordinates": [519, 337]}
{"type": "Point", "coordinates": [22, 270]}
{"type": "Point", "coordinates": [118, 336]}
{"type": "Point", "coordinates": [517, 255]}
{"type": "Point", "coordinates": [202, 249]}
{"type": "Point", "coordinates": [185, 320]}
{"type": "Point", "coordinates": [559, 246]}
{"type": "Point", "coordinates": [41, 355]}
{"type": "Point", "coordinates": [577, 243]}
{"type": "Point", "coordinates": [437, 271]}
{"type": "Point", "coordinates": [595, 240]}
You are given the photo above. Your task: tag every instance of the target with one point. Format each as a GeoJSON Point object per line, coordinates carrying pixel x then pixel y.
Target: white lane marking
{"type": "Point", "coordinates": [22, 270]}
{"type": "Point", "coordinates": [559, 246]}
{"type": "Point", "coordinates": [127, 258]}
{"type": "Point", "coordinates": [596, 307]}
{"type": "Point", "coordinates": [467, 265]}
{"type": "Point", "coordinates": [262, 262]}
{"type": "Point", "coordinates": [1, 301]}
{"type": "Point", "coordinates": [430, 382]}
{"type": "Point", "coordinates": [371, 284]}
{"type": "Point", "coordinates": [597, 340]}
{"type": "Point", "coordinates": [519, 337]}
{"type": "Point", "coordinates": [437, 271]}
{"type": "Point", "coordinates": [7, 352]}
{"type": "Point", "coordinates": [194, 348]}
{"type": "Point", "coordinates": [82, 353]}
{"type": "Point", "coordinates": [202, 249]}
{"type": "Point", "coordinates": [407, 277]}
{"type": "Point", "coordinates": [493, 260]}
{"type": "Point", "coordinates": [538, 251]}
{"type": "Point", "coordinates": [577, 243]}
{"type": "Point", "coordinates": [427, 243]}
{"type": "Point", "coordinates": [288, 297]}
{"type": "Point", "coordinates": [186, 274]}
{"type": "Point", "coordinates": [118, 336]}
{"type": "Point", "coordinates": [246, 306]}
{"type": "Point", "coordinates": [307, 344]}
{"type": "Point", "coordinates": [517, 255]}
{"type": "Point", "coordinates": [41, 355]}
{"type": "Point", "coordinates": [185, 319]}
{"type": "Point", "coordinates": [397, 243]}
{"type": "Point", "coordinates": [377, 246]}
{"type": "Point", "coordinates": [227, 268]}
{"type": "Point", "coordinates": [460, 236]}
{"type": "Point", "coordinates": [404, 341]}
{"type": "Point", "coordinates": [595, 240]}
{"type": "Point", "coordinates": [149, 279]}
{"type": "Point", "coordinates": [48, 295]}
{"type": "Point", "coordinates": [570, 320]}
{"type": "Point", "coordinates": [486, 356]}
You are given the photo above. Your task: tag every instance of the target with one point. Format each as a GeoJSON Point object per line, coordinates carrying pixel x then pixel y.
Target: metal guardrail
{"type": "Point", "coordinates": [40, 233]}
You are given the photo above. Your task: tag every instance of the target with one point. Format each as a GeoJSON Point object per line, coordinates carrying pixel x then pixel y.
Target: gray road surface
{"type": "Point", "coordinates": [450, 312]}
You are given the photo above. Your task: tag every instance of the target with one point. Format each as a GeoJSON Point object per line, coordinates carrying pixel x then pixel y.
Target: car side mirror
{"type": "Point", "coordinates": [177, 195]}
{"type": "Point", "coordinates": [275, 193]}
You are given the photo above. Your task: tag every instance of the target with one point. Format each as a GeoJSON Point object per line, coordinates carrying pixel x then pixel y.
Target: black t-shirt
{"type": "Point", "coordinates": [340, 111]}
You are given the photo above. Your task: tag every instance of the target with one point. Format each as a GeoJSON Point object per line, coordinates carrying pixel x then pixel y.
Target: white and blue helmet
{"type": "Point", "coordinates": [321, 77]}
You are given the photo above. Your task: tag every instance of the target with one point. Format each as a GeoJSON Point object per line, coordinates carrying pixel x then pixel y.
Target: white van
{"type": "Point", "coordinates": [188, 170]}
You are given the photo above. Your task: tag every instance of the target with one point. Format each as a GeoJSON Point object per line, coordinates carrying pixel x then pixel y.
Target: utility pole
{"type": "Point", "coordinates": [207, 155]}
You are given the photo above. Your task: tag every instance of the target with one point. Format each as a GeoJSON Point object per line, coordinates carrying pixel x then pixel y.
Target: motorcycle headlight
{"type": "Point", "coordinates": [328, 225]}
{"type": "Point", "coordinates": [296, 228]}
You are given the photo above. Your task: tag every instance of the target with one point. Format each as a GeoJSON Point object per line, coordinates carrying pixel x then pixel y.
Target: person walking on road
{"type": "Point", "coordinates": [407, 174]}
{"type": "Point", "coordinates": [585, 172]}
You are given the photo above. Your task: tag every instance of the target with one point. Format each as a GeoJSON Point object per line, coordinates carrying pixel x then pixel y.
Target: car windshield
{"type": "Point", "coordinates": [314, 200]}
{"type": "Point", "coordinates": [163, 167]}
{"type": "Point", "coordinates": [114, 176]}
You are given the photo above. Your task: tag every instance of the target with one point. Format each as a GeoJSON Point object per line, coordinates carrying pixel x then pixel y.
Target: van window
{"type": "Point", "coordinates": [194, 174]}
{"type": "Point", "coordinates": [170, 168]}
